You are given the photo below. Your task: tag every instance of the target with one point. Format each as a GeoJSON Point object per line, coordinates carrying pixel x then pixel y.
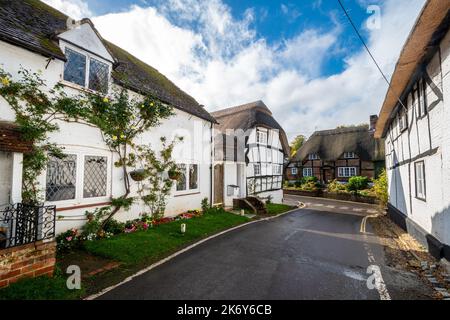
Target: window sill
{"type": "Point", "coordinates": [421, 199]}
{"type": "Point", "coordinates": [83, 206]}
{"type": "Point", "coordinates": [186, 194]}
{"type": "Point", "coordinates": [81, 88]}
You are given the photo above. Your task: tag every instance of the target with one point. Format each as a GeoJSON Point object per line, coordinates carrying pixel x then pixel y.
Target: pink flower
{"type": "Point", "coordinates": [69, 239]}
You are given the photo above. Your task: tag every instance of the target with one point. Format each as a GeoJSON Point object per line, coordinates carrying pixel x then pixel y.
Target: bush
{"type": "Point", "coordinates": [298, 183]}
{"type": "Point", "coordinates": [205, 205]}
{"type": "Point", "coordinates": [335, 186]}
{"type": "Point", "coordinates": [358, 183]}
{"type": "Point", "coordinates": [114, 227]}
{"type": "Point", "coordinates": [381, 187]}
{"type": "Point", "coordinates": [68, 240]}
{"type": "Point", "coordinates": [310, 179]}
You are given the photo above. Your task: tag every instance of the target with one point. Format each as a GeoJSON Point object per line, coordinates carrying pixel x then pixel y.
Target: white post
{"type": "Point", "coordinates": [16, 178]}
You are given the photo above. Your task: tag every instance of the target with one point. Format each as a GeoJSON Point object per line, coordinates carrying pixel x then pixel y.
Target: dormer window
{"type": "Point", "coordinates": [349, 155]}
{"type": "Point", "coordinates": [313, 156]}
{"type": "Point", "coordinates": [86, 71]}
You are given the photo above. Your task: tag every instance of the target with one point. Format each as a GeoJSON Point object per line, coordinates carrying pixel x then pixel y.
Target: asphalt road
{"type": "Point", "coordinates": [314, 253]}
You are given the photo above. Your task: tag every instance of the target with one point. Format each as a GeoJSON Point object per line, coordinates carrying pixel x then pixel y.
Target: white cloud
{"type": "Point", "coordinates": [76, 9]}
{"type": "Point", "coordinates": [220, 60]}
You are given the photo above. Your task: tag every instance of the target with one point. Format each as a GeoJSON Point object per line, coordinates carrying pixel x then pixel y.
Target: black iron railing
{"type": "Point", "coordinates": [23, 223]}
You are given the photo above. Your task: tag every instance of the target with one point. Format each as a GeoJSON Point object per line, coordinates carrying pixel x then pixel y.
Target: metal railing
{"type": "Point", "coordinates": [23, 224]}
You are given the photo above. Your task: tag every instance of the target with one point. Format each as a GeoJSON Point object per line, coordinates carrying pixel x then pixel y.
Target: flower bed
{"type": "Point", "coordinates": [73, 238]}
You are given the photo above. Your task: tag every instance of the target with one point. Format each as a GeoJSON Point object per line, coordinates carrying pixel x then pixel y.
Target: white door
{"type": "Point", "coordinates": [5, 177]}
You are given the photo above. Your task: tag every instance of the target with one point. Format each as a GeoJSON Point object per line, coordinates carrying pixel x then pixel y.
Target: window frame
{"type": "Point", "coordinates": [423, 196]}
{"type": "Point", "coordinates": [313, 156]}
{"type": "Point", "coordinates": [342, 172]}
{"type": "Point", "coordinates": [353, 155]}
{"type": "Point", "coordinates": [422, 108]}
{"type": "Point", "coordinates": [294, 169]}
{"type": "Point", "coordinates": [308, 170]}
{"type": "Point", "coordinates": [88, 56]}
{"type": "Point", "coordinates": [262, 132]}
{"type": "Point", "coordinates": [188, 191]}
{"type": "Point", "coordinates": [257, 165]}
{"type": "Point", "coordinates": [79, 187]}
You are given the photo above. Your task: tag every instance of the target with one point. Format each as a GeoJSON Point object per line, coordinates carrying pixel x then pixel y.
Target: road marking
{"type": "Point", "coordinates": [344, 208]}
{"type": "Point", "coordinates": [331, 207]}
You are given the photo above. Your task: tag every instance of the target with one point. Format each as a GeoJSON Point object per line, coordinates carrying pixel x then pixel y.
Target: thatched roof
{"type": "Point", "coordinates": [33, 25]}
{"type": "Point", "coordinates": [249, 116]}
{"type": "Point", "coordinates": [11, 139]}
{"type": "Point", "coordinates": [330, 145]}
{"type": "Point", "coordinates": [430, 27]}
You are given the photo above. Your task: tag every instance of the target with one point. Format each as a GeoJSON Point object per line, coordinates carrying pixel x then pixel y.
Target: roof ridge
{"type": "Point", "coordinates": [242, 108]}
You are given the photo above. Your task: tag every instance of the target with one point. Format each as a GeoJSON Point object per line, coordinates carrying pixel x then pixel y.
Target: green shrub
{"type": "Point", "coordinates": [357, 183]}
{"type": "Point", "coordinates": [114, 227]}
{"type": "Point", "coordinates": [298, 183]}
{"type": "Point", "coordinates": [205, 205]}
{"type": "Point", "coordinates": [381, 187]}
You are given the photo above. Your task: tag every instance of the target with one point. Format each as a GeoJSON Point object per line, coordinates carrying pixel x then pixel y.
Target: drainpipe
{"type": "Point", "coordinates": [211, 168]}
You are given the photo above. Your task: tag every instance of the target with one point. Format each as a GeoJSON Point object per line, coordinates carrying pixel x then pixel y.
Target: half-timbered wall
{"type": "Point", "coordinates": [424, 142]}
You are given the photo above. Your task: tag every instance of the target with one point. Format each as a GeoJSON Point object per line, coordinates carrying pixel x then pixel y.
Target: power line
{"type": "Point", "coordinates": [368, 51]}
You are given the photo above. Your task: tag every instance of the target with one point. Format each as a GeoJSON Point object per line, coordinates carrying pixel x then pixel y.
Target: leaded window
{"type": "Point", "coordinates": [61, 178]}
{"type": "Point", "coordinates": [181, 182]}
{"type": "Point", "coordinates": [193, 176]}
{"type": "Point", "coordinates": [98, 76]}
{"type": "Point", "coordinates": [75, 67]}
{"type": "Point", "coordinates": [95, 176]}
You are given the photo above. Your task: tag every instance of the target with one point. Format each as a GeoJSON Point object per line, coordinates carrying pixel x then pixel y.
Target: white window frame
{"type": "Point", "coordinates": [294, 171]}
{"type": "Point", "coordinates": [349, 155]}
{"type": "Point", "coordinates": [420, 180]}
{"type": "Point", "coordinates": [88, 57]}
{"type": "Point", "coordinates": [188, 191]}
{"type": "Point", "coordinates": [79, 187]}
{"type": "Point", "coordinates": [308, 172]}
{"type": "Point", "coordinates": [402, 120]}
{"type": "Point", "coordinates": [347, 172]}
{"type": "Point", "coordinates": [313, 156]}
{"type": "Point", "coordinates": [421, 99]}
{"type": "Point", "coordinates": [261, 137]}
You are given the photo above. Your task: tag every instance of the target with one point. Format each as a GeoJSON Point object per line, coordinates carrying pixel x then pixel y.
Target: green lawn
{"type": "Point", "coordinates": [275, 208]}
{"type": "Point", "coordinates": [41, 288]}
{"type": "Point", "coordinates": [155, 243]}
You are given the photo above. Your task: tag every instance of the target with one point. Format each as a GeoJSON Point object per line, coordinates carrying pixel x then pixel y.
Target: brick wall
{"type": "Point", "coordinates": [31, 260]}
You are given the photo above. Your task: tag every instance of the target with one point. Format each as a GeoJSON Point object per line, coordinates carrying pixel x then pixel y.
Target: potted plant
{"type": "Point", "coordinates": [174, 174]}
{"type": "Point", "coordinates": [138, 175]}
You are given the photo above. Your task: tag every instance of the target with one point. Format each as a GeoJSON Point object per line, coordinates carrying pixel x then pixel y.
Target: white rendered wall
{"type": "Point", "coordinates": [86, 140]}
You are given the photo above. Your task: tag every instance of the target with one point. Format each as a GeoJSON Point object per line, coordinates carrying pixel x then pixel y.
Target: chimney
{"type": "Point", "coordinates": [373, 122]}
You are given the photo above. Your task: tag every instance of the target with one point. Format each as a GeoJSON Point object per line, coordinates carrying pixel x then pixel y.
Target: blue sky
{"type": "Point", "coordinates": [300, 57]}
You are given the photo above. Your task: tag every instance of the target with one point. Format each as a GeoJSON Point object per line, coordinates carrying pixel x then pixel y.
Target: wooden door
{"type": "Point", "coordinates": [218, 184]}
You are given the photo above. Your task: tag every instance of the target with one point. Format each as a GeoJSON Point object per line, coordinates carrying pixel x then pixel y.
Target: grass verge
{"type": "Point", "coordinates": [158, 242]}
{"type": "Point", "coordinates": [275, 208]}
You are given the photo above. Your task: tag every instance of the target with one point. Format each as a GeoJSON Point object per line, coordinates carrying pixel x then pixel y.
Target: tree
{"type": "Point", "coordinates": [296, 144]}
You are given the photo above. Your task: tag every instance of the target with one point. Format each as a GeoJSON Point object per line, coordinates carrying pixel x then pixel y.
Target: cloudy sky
{"type": "Point", "coordinates": [300, 57]}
